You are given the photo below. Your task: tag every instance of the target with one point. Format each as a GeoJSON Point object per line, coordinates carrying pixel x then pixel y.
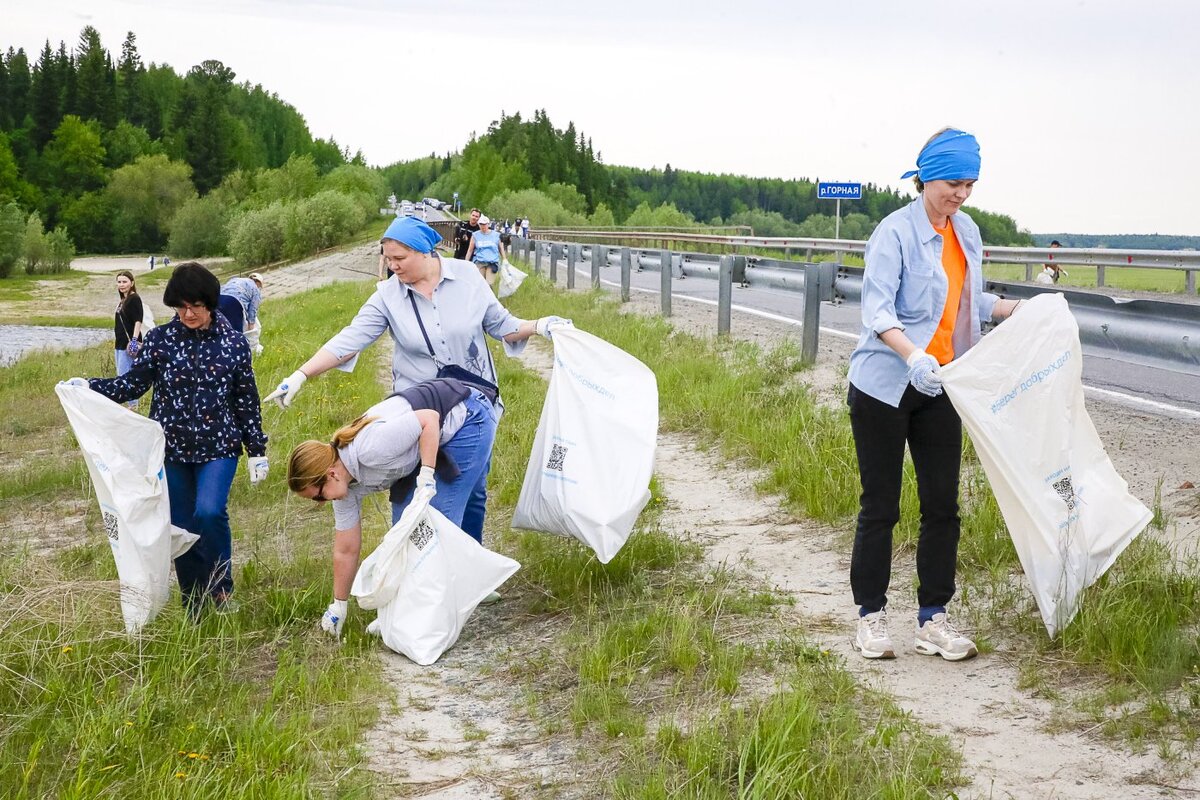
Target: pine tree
{"type": "Point", "coordinates": [93, 87]}
{"type": "Point", "coordinates": [129, 74]}
{"type": "Point", "coordinates": [18, 87]}
{"type": "Point", "coordinates": [46, 97]}
{"type": "Point", "coordinates": [205, 124]}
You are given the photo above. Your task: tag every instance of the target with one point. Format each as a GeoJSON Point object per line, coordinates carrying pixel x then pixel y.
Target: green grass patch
{"type": "Point", "coordinates": [21, 286]}
{"type": "Point", "coordinates": [258, 703]}
{"type": "Point", "coordinates": [1081, 277]}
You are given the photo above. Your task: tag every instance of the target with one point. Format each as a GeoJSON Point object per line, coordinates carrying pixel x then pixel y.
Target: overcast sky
{"type": "Point", "coordinates": [1086, 112]}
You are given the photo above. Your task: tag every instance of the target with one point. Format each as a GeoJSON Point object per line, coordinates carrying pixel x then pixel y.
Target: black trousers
{"type": "Point", "coordinates": [933, 431]}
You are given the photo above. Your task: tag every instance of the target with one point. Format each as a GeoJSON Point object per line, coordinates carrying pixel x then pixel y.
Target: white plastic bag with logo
{"type": "Point", "coordinates": [426, 577]}
{"type": "Point", "coordinates": [593, 455]}
{"type": "Point", "coordinates": [510, 279]}
{"type": "Point", "coordinates": [124, 455]}
{"type": "Point", "coordinates": [1020, 397]}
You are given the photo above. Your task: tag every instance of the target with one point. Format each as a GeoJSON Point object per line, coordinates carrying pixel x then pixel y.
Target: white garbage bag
{"type": "Point", "coordinates": [124, 455]}
{"type": "Point", "coordinates": [426, 578]}
{"type": "Point", "coordinates": [593, 455]}
{"type": "Point", "coordinates": [510, 279]}
{"type": "Point", "coordinates": [1020, 397]}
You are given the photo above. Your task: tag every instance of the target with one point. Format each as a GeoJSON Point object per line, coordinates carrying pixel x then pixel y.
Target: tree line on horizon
{"type": "Point", "coordinates": [556, 177]}
{"type": "Point", "coordinates": [107, 151]}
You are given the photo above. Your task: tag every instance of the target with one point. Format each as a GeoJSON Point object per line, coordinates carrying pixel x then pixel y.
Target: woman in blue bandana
{"type": "Point", "coordinates": [923, 305]}
{"type": "Point", "coordinates": [437, 310]}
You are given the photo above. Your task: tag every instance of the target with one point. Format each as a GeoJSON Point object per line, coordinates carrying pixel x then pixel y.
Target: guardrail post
{"type": "Point", "coordinates": [812, 313]}
{"type": "Point", "coordinates": [739, 270]}
{"type": "Point", "coordinates": [598, 253]}
{"type": "Point", "coordinates": [555, 251]}
{"type": "Point", "coordinates": [572, 259]}
{"type": "Point", "coordinates": [1100, 275]}
{"type": "Point", "coordinates": [626, 267]}
{"type": "Point", "coordinates": [537, 258]}
{"type": "Point", "coordinates": [1028, 271]}
{"type": "Point", "coordinates": [664, 273]}
{"type": "Point", "coordinates": [724, 294]}
{"type": "Point", "coordinates": [1189, 281]}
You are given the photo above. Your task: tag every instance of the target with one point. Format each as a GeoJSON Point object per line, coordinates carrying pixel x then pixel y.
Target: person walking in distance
{"type": "Point", "coordinates": [922, 306]}
{"type": "Point", "coordinates": [463, 232]}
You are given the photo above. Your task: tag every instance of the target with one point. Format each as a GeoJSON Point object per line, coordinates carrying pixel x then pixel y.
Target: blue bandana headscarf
{"type": "Point", "coordinates": [952, 156]}
{"type": "Point", "coordinates": [413, 233]}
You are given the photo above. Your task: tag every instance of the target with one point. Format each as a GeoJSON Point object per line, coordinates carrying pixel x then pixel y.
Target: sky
{"type": "Point", "coordinates": [1086, 112]}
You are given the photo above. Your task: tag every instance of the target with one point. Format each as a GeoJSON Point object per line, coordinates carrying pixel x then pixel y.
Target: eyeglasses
{"type": "Point", "coordinates": [320, 495]}
{"type": "Point", "coordinates": [191, 308]}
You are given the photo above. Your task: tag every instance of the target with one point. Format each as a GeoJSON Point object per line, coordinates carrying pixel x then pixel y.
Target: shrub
{"type": "Point", "coordinates": [33, 247]}
{"type": "Point", "coordinates": [200, 228]}
{"type": "Point", "coordinates": [60, 250]}
{"type": "Point", "coordinates": [256, 237]}
{"type": "Point", "coordinates": [320, 221]}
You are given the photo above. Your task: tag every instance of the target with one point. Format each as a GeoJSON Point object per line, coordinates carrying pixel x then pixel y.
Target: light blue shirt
{"type": "Point", "coordinates": [487, 247]}
{"type": "Point", "coordinates": [246, 292]}
{"type": "Point", "coordinates": [462, 309]}
{"type": "Point", "coordinates": [905, 287]}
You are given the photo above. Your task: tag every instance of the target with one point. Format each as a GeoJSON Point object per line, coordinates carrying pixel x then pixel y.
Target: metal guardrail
{"type": "Point", "coordinates": [1098, 257]}
{"type": "Point", "coordinates": [1154, 332]}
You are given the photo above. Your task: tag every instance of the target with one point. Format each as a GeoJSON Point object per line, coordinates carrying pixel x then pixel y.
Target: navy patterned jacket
{"type": "Point", "coordinates": [205, 396]}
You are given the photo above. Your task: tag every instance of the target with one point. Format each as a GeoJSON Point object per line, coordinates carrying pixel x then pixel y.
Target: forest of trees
{"type": "Point", "coordinates": [556, 177]}
{"type": "Point", "coordinates": [1120, 241]}
{"type": "Point", "coordinates": [109, 150]}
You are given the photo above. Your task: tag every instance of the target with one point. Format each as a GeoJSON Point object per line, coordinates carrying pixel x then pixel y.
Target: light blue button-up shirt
{"type": "Point", "coordinates": [905, 286]}
{"type": "Point", "coordinates": [248, 294]}
{"type": "Point", "coordinates": [462, 309]}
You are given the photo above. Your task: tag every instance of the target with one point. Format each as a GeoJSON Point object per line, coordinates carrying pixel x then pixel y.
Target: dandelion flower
{"type": "Point", "coordinates": [181, 775]}
{"type": "Point", "coordinates": [68, 649]}
{"type": "Point", "coordinates": [128, 723]}
{"type": "Point", "coordinates": [203, 757]}
{"type": "Point", "coordinates": [193, 755]}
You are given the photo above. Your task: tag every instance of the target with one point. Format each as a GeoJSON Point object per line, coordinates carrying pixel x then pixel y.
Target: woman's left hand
{"type": "Point", "coordinates": [258, 467]}
{"type": "Point", "coordinates": [546, 325]}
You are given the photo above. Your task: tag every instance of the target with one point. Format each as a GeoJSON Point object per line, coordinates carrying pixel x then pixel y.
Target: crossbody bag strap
{"type": "Point", "coordinates": [420, 323]}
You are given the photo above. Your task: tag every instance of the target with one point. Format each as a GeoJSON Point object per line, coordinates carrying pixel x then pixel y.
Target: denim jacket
{"type": "Point", "coordinates": [205, 396]}
{"type": "Point", "coordinates": [905, 287]}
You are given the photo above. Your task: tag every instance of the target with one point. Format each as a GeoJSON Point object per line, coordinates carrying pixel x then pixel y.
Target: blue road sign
{"type": "Point", "coordinates": [839, 191]}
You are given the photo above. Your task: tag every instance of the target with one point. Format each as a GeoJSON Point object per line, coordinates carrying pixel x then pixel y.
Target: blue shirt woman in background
{"type": "Point", "coordinates": [486, 250]}
{"type": "Point", "coordinates": [922, 305]}
{"type": "Point", "coordinates": [206, 400]}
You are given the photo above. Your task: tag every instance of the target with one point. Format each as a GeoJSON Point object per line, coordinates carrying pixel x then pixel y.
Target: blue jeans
{"type": "Point", "coordinates": [464, 500]}
{"type": "Point", "coordinates": [199, 503]}
{"type": "Point", "coordinates": [124, 362]}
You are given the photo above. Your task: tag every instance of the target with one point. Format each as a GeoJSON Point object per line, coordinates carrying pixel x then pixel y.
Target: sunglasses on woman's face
{"type": "Point", "coordinates": [320, 495]}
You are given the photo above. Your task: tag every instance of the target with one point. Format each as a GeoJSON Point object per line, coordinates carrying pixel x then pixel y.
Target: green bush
{"type": "Point", "coordinates": [33, 248]}
{"type": "Point", "coordinates": [200, 228]}
{"type": "Point", "coordinates": [256, 237]}
{"type": "Point", "coordinates": [61, 250]}
{"type": "Point", "coordinates": [320, 221]}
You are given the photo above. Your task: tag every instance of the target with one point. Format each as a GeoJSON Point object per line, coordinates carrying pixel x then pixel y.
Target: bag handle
{"type": "Point", "coordinates": [428, 344]}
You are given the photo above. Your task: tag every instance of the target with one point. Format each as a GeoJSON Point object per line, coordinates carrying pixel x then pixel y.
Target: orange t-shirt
{"type": "Point", "coordinates": [954, 262]}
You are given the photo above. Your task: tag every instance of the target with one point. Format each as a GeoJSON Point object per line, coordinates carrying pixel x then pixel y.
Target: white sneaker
{"type": "Point", "coordinates": [492, 597]}
{"type": "Point", "coordinates": [938, 637]}
{"type": "Point", "coordinates": [872, 639]}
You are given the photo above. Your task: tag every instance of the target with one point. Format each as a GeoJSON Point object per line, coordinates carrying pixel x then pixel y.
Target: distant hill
{"type": "Point", "coordinates": [1120, 241]}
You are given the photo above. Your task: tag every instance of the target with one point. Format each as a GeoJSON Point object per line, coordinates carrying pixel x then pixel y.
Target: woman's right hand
{"type": "Point", "coordinates": [923, 373]}
{"type": "Point", "coordinates": [286, 392]}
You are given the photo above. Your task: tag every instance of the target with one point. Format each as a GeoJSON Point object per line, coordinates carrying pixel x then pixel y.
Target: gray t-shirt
{"type": "Point", "coordinates": [384, 452]}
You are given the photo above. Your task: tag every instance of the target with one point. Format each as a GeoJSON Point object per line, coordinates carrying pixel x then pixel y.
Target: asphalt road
{"type": "Point", "coordinates": [1163, 391]}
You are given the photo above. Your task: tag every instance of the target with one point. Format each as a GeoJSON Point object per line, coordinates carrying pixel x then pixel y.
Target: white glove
{"type": "Point", "coordinates": [426, 481]}
{"type": "Point", "coordinates": [286, 392]}
{"type": "Point", "coordinates": [923, 373]}
{"type": "Point", "coordinates": [546, 325]}
{"type": "Point", "coordinates": [258, 349]}
{"type": "Point", "coordinates": [257, 467]}
{"type": "Point", "coordinates": [75, 382]}
{"type": "Point", "coordinates": [334, 618]}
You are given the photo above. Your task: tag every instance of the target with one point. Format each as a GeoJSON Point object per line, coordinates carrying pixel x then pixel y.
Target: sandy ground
{"type": "Point", "coordinates": [455, 731]}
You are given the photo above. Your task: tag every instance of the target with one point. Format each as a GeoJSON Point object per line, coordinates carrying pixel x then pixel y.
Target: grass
{"type": "Point", "coordinates": [253, 704]}
{"type": "Point", "coordinates": [1133, 278]}
{"type": "Point", "coordinates": [20, 286]}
